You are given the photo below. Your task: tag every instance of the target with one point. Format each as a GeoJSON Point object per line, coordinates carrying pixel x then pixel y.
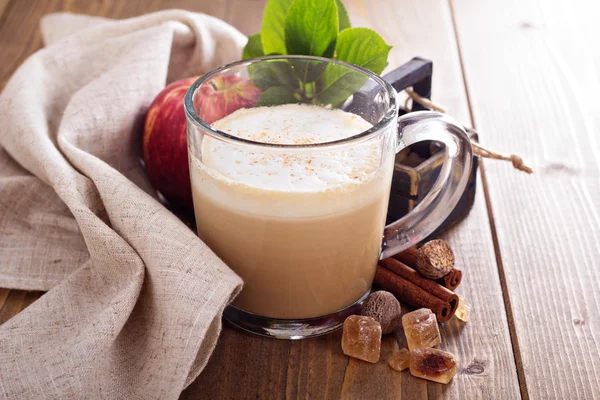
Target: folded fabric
{"type": "Point", "coordinates": [135, 298]}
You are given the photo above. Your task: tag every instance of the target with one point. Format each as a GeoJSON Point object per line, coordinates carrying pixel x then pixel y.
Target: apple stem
{"type": "Point", "coordinates": [211, 83]}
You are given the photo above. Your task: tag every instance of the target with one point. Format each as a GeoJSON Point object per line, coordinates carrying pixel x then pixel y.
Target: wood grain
{"type": "Point", "coordinates": [483, 345]}
{"type": "Point", "coordinates": [246, 366]}
{"type": "Point", "coordinates": [538, 99]}
{"type": "Point", "coordinates": [3, 296]}
{"type": "Point", "coordinates": [14, 302]}
{"type": "Point", "coordinates": [20, 34]}
{"type": "Point", "coordinates": [3, 5]}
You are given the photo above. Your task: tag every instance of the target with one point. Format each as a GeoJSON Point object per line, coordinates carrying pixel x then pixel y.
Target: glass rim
{"type": "Point", "coordinates": [192, 116]}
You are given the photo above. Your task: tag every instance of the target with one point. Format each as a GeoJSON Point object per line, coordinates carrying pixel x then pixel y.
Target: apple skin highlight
{"type": "Point", "coordinates": [223, 95]}
{"type": "Point", "coordinates": [165, 140]}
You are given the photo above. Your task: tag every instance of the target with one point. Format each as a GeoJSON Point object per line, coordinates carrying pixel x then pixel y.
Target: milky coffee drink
{"type": "Point", "coordinates": [302, 228]}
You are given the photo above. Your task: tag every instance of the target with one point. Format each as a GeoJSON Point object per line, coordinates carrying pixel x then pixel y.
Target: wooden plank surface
{"type": "Point", "coordinates": [252, 367]}
{"type": "Point", "coordinates": [20, 34]}
{"type": "Point", "coordinates": [532, 73]}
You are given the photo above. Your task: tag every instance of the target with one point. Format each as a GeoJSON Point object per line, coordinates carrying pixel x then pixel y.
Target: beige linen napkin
{"type": "Point", "coordinates": [135, 298]}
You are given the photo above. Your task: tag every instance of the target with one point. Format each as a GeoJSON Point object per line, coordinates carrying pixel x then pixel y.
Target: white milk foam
{"type": "Point", "coordinates": [292, 124]}
{"type": "Point", "coordinates": [287, 179]}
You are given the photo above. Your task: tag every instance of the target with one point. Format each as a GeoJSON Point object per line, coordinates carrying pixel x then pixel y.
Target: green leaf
{"type": "Point", "coordinates": [344, 20]}
{"type": "Point", "coordinates": [363, 47]}
{"type": "Point", "coordinates": [359, 46]}
{"type": "Point", "coordinates": [276, 95]}
{"type": "Point", "coordinates": [273, 73]}
{"type": "Point", "coordinates": [337, 84]}
{"type": "Point", "coordinates": [272, 30]}
{"type": "Point", "coordinates": [330, 50]}
{"type": "Point", "coordinates": [263, 76]}
{"type": "Point", "coordinates": [308, 70]}
{"type": "Point", "coordinates": [311, 26]}
{"type": "Point", "coordinates": [253, 48]}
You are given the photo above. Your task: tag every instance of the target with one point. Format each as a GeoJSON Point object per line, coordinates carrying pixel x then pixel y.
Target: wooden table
{"type": "Point", "coordinates": [526, 74]}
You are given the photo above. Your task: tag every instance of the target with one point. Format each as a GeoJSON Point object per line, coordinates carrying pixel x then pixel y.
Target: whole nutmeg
{"type": "Point", "coordinates": [384, 308]}
{"type": "Point", "coordinates": [435, 259]}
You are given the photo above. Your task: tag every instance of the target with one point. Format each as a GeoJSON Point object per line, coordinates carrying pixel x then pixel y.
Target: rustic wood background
{"type": "Point", "coordinates": [525, 73]}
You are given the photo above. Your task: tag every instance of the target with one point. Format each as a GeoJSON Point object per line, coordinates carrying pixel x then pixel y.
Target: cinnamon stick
{"type": "Point", "coordinates": [409, 257]}
{"type": "Point", "coordinates": [448, 301]}
{"type": "Point", "coordinates": [452, 279]}
{"type": "Point", "coordinates": [409, 293]}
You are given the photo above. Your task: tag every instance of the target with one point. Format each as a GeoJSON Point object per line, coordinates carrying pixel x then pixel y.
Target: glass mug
{"type": "Point", "coordinates": [308, 257]}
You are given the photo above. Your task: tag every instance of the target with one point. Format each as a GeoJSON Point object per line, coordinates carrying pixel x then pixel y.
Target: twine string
{"type": "Point", "coordinates": [478, 149]}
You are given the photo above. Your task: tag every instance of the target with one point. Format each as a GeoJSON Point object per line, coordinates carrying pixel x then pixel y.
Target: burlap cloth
{"type": "Point", "coordinates": [135, 298]}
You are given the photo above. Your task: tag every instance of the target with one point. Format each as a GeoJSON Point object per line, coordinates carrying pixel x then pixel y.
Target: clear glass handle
{"type": "Point", "coordinates": [447, 189]}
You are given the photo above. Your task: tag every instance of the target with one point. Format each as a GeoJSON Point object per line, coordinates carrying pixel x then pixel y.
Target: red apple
{"type": "Point", "coordinates": [223, 95]}
{"type": "Point", "coordinates": [165, 140]}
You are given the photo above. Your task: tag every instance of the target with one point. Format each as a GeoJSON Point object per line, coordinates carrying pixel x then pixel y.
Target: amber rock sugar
{"type": "Point", "coordinates": [421, 329]}
{"type": "Point", "coordinates": [400, 360]}
{"type": "Point", "coordinates": [361, 338]}
{"type": "Point", "coordinates": [433, 364]}
{"type": "Point", "coordinates": [463, 311]}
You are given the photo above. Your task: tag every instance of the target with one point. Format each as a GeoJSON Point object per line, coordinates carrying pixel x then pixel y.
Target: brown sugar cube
{"type": "Point", "coordinates": [432, 364]}
{"type": "Point", "coordinates": [361, 338]}
{"type": "Point", "coordinates": [384, 308]}
{"type": "Point", "coordinates": [421, 329]}
{"type": "Point", "coordinates": [463, 311]}
{"type": "Point", "coordinates": [400, 360]}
